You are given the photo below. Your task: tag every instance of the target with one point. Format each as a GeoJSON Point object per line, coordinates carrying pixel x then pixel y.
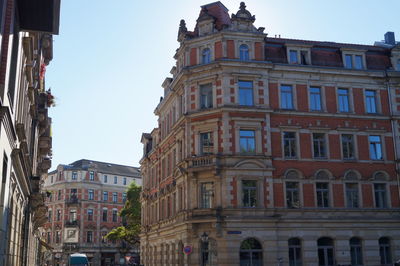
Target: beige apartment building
{"type": "Point", "coordinates": [273, 151]}
{"type": "Point", "coordinates": [84, 199]}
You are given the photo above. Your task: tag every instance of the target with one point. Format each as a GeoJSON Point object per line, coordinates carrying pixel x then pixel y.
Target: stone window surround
{"type": "Point", "coordinates": [254, 125]}
{"type": "Point", "coordinates": [353, 53]}
{"type": "Point", "coordinates": [299, 49]}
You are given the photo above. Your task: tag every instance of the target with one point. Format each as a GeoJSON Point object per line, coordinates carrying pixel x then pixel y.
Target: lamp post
{"type": "Point", "coordinates": [204, 249]}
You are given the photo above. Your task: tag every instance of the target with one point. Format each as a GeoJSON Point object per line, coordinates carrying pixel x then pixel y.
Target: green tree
{"type": "Point", "coordinates": [129, 231]}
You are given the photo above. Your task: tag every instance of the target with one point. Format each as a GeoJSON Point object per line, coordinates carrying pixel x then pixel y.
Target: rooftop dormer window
{"type": "Point", "coordinates": [244, 52]}
{"type": "Point", "coordinates": [206, 56]}
{"type": "Point", "coordinates": [299, 55]}
{"type": "Point", "coordinates": [354, 59]}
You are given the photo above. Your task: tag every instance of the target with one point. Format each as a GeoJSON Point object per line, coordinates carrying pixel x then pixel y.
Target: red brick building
{"type": "Point", "coordinates": [273, 150]}
{"type": "Point", "coordinates": [83, 204]}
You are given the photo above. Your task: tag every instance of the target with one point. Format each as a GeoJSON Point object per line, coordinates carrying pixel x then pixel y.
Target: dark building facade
{"type": "Point", "coordinates": [273, 151]}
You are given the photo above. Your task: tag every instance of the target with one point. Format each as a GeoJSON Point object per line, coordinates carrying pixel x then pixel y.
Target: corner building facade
{"type": "Point", "coordinates": [272, 151]}
{"type": "Point", "coordinates": [84, 200]}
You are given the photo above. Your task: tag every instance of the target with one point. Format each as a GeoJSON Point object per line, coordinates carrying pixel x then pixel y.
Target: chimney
{"type": "Point", "coordinates": [389, 38]}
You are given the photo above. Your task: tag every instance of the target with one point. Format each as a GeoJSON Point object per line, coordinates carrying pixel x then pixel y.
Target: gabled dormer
{"type": "Point", "coordinates": [243, 20]}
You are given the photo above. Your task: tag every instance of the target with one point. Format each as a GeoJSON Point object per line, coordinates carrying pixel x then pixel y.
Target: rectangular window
{"type": "Point", "coordinates": [315, 99]}
{"type": "Point", "coordinates": [49, 216]}
{"type": "Point", "coordinates": [124, 197]}
{"type": "Point", "coordinates": [124, 181]}
{"type": "Point", "coordinates": [286, 97]}
{"type": "Point", "coordinates": [206, 194]}
{"type": "Point", "coordinates": [295, 252]}
{"type": "Point", "coordinates": [59, 195]}
{"type": "Point", "coordinates": [292, 195]}
{"type": "Point", "coordinates": [293, 57]}
{"type": "Point", "coordinates": [358, 62]}
{"type": "Point", "coordinates": [352, 195]}
{"type": "Point", "coordinates": [370, 101]}
{"type": "Point", "coordinates": [319, 145]}
{"type": "Point", "coordinates": [72, 215]}
{"type": "Point", "coordinates": [380, 196]}
{"type": "Point", "coordinates": [289, 144]}
{"type": "Point", "coordinates": [105, 196]}
{"type": "Point", "coordinates": [348, 146]}
{"type": "Point", "coordinates": [58, 237]}
{"type": "Point", "coordinates": [91, 176]}
{"type": "Point", "coordinates": [115, 180]}
{"type": "Point", "coordinates": [344, 100]}
{"type": "Point", "coordinates": [114, 216]}
{"type": "Point", "coordinates": [48, 237]}
{"type": "Point", "coordinates": [247, 141]}
{"type": "Point", "coordinates": [74, 175]}
{"type": "Point", "coordinates": [349, 61]}
{"type": "Point", "coordinates": [104, 216]}
{"type": "Point", "coordinates": [246, 93]}
{"type": "Point", "coordinates": [249, 193]}
{"type": "Point", "coordinates": [105, 180]}
{"type": "Point", "coordinates": [89, 236]}
{"type": "Point", "coordinates": [90, 194]}
{"type": "Point", "coordinates": [322, 195]}
{"type": "Point", "coordinates": [58, 215]}
{"type": "Point", "coordinates": [375, 148]}
{"type": "Point", "coordinates": [206, 99]}
{"type": "Point", "coordinates": [206, 143]}
{"type": "Point", "coordinates": [115, 197]}
{"type": "Point", "coordinates": [90, 214]}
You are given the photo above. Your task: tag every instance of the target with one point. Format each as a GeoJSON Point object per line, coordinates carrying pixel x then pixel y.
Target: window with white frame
{"type": "Point", "coordinates": [90, 214]}
{"type": "Point", "coordinates": [247, 141]}
{"type": "Point", "coordinates": [295, 252]}
{"type": "Point", "coordinates": [348, 148]}
{"type": "Point", "coordinates": [344, 100]}
{"type": "Point", "coordinates": [380, 195]}
{"type": "Point", "coordinates": [370, 101]}
{"type": "Point", "coordinates": [105, 179]}
{"type": "Point", "coordinates": [104, 215]}
{"type": "Point", "coordinates": [353, 61]}
{"type": "Point", "coordinates": [289, 145]}
{"type": "Point", "coordinates": [286, 97]}
{"type": "Point", "coordinates": [124, 181]}
{"type": "Point", "coordinates": [115, 197]}
{"type": "Point", "coordinates": [89, 236]}
{"type": "Point", "coordinates": [315, 99]}
{"type": "Point", "coordinates": [299, 56]}
{"type": "Point", "coordinates": [206, 143]}
{"type": "Point", "coordinates": [90, 194]}
{"type": "Point", "coordinates": [319, 145]}
{"type": "Point", "coordinates": [292, 195]}
{"type": "Point", "coordinates": [74, 175]}
{"type": "Point", "coordinates": [249, 193]}
{"type": "Point", "coordinates": [115, 179]}
{"type": "Point", "coordinates": [206, 99]}
{"type": "Point", "coordinates": [105, 196]}
{"type": "Point", "coordinates": [356, 251]}
{"type": "Point", "coordinates": [206, 194]}
{"type": "Point", "coordinates": [91, 176]}
{"type": "Point", "coordinates": [293, 57]}
{"type": "Point", "coordinates": [244, 52]}
{"type": "Point", "coordinates": [352, 198]}
{"type": "Point", "coordinates": [114, 215]}
{"type": "Point", "coordinates": [246, 93]}
{"type": "Point", "coordinates": [375, 148]}
{"type": "Point", "coordinates": [385, 251]}
{"type": "Point", "coordinates": [206, 56]}
{"type": "Point", "coordinates": [322, 191]}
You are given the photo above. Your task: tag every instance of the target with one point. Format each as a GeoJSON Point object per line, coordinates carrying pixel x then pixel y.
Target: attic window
{"type": "Point", "coordinates": [299, 56]}
{"type": "Point", "coordinates": [353, 61]}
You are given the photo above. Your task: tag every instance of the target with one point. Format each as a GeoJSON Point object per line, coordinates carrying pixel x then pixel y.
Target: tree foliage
{"type": "Point", "coordinates": [129, 231]}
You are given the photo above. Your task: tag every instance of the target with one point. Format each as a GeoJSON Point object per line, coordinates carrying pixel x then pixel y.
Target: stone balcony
{"type": "Point", "coordinates": [69, 223]}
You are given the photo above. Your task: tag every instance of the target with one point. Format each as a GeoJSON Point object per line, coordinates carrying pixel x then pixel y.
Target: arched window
{"type": "Point", "coordinates": [206, 56]}
{"type": "Point", "coordinates": [351, 175]}
{"type": "Point", "coordinates": [244, 52]}
{"type": "Point", "coordinates": [292, 174]}
{"type": "Point", "coordinates": [325, 252]}
{"type": "Point", "coordinates": [385, 251]}
{"type": "Point", "coordinates": [294, 252]}
{"type": "Point", "coordinates": [382, 176]}
{"type": "Point", "coordinates": [322, 174]}
{"type": "Point", "coordinates": [356, 251]}
{"type": "Point", "coordinates": [251, 253]}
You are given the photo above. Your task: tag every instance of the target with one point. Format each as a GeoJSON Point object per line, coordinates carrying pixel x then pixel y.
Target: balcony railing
{"type": "Point", "coordinates": [202, 161]}
{"type": "Point", "coordinates": [71, 223]}
{"type": "Point", "coordinates": [72, 200]}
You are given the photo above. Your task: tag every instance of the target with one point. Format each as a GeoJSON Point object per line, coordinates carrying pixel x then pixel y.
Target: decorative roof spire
{"type": "Point", "coordinates": [182, 30]}
{"type": "Point", "coordinates": [243, 14]}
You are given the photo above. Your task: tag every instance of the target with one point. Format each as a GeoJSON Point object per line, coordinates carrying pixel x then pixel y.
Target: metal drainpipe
{"type": "Point", "coordinates": [393, 134]}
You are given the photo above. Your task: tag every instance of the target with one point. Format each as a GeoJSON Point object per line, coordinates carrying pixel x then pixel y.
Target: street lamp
{"type": "Point", "coordinates": [205, 259]}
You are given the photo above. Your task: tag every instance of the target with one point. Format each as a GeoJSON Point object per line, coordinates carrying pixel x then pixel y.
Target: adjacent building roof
{"type": "Point", "coordinates": [103, 167]}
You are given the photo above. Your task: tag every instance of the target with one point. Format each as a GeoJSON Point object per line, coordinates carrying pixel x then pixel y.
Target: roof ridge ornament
{"type": "Point", "coordinates": [243, 14]}
{"type": "Point", "coordinates": [182, 30]}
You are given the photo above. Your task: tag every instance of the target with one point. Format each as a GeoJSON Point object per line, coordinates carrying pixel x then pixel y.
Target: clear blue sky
{"type": "Point", "coordinates": [112, 56]}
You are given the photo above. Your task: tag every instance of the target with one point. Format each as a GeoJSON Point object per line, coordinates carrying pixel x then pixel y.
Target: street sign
{"type": "Point", "coordinates": [187, 250]}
